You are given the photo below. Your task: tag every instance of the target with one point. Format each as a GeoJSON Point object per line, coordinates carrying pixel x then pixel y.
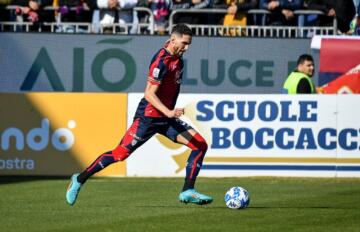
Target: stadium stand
{"type": "Point", "coordinates": [148, 22]}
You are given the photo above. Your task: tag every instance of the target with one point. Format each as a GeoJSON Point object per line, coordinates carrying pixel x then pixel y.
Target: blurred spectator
{"type": "Point", "coordinates": [122, 10]}
{"type": "Point", "coordinates": [161, 11]}
{"type": "Point", "coordinates": [239, 7]}
{"type": "Point", "coordinates": [81, 13]}
{"type": "Point", "coordinates": [343, 10]}
{"type": "Point", "coordinates": [31, 11]}
{"type": "Point", "coordinates": [355, 26]}
{"type": "Point", "coordinates": [190, 18]}
{"type": "Point", "coordinates": [308, 19]}
{"type": "Point", "coordinates": [282, 11]}
{"type": "Point", "coordinates": [357, 6]}
{"type": "Point", "coordinates": [236, 14]}
{"type": "Point", "coordinates": [4, 14]}
{"type": "Point", "coordinates": [355, 23]}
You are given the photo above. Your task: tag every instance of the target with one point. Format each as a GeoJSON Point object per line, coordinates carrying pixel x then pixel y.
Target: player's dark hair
{"type": "Point", "coordinates": [303, 58]}
{"type": "Point", "coordinates": [181, 29]}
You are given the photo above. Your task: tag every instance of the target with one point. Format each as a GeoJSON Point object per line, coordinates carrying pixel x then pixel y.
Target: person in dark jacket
{"type": "Point", "coordinates": [343, 10]}
{"type": "Point", "coordinates": [190, 18]}
{"type": "Point", "coordinates": [282, 11]}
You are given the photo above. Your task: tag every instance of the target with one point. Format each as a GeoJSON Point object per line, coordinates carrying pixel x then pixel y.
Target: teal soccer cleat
{"type": "Point", "coordinates": [73, 190]}
{"type": "Point", "coordinates": [191, 196]}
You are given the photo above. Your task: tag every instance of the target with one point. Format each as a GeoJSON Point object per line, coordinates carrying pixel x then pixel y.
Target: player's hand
{"type": "Point", "coordinates": [176, 113]}
{"type": "Point", "coordinates": [179, 112]}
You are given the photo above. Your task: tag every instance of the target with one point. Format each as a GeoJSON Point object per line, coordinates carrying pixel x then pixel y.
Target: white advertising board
{"type": "Point", "coordinates": [260, 135]}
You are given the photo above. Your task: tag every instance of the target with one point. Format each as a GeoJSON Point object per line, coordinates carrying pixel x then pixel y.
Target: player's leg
{"type": "Point", "coordinates": [138, 133]}
{"type": "Point", "coordinates": [198, 146]}
{"type": "Point", "coordinates": [182, 133]}
{"type": "Point", "coordinates": [126, 146]}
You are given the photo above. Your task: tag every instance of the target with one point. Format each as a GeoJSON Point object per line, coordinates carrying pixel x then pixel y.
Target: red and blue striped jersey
{"type": "Point", "coordinates": [165, 71]}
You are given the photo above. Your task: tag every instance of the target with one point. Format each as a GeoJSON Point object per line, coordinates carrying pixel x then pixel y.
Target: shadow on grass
{"type": "Point", "coordinates": [299, 207]}
{"type": "Point", "coordinates": [209, 207]}
{"type": "Point", "coordinates": [18, 179]}
{"type": "Point", "coordinates": [182, 206]}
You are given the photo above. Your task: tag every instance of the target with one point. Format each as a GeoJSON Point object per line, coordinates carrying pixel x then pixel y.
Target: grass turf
{"type": "Point", "coordinates": [151, 204]}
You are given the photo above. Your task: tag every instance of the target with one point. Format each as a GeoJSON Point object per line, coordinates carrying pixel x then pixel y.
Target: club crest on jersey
{"type": "Point", "coordinates": [173, 67]}
{"type": "Point", "coordinates": [155, 72]}
{"type": "Point", "coordinates": [177, 77]}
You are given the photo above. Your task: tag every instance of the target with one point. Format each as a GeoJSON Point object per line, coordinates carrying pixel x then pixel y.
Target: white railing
{"type": "Point", "coordinates": [199, 29]}
{"type": "Point", "coordinates": [260, 31]}
{"type": "Point", "coordinates": [78, 27]}
{"type": "Point", "coordinates": [263, 30]}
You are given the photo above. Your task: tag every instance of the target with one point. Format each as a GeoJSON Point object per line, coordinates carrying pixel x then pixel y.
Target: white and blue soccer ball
{"type": "Point", "coordinates": [237, 198]}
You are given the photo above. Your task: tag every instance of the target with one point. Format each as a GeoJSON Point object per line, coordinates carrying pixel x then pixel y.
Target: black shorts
{"type": "Point", "coordinates": [143, 128]}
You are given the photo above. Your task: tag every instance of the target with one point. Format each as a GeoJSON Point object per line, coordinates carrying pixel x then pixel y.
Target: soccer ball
{"type": "Point", "coordinates": [237, 198]}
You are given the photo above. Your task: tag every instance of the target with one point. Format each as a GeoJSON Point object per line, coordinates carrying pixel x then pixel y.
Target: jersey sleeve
{"type": "Point", "coordinates": [157, 72]}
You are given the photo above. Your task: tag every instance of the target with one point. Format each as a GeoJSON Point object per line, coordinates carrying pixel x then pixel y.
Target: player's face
{"type": "Point", "coordinates": [180, 44]}
{"type": "Point", "coordinates": [307, 67]}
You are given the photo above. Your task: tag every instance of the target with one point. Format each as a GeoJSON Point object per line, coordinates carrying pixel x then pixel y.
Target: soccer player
{"type": "Point", "coordinates": [156, 113]}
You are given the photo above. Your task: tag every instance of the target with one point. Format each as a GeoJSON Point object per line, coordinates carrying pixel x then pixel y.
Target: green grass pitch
{"type": "Point", "coordinates": [151, 204]}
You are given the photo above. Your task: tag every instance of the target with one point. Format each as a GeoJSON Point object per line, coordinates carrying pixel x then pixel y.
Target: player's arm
{"type": "Point", "coordinates": [150, 96]}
